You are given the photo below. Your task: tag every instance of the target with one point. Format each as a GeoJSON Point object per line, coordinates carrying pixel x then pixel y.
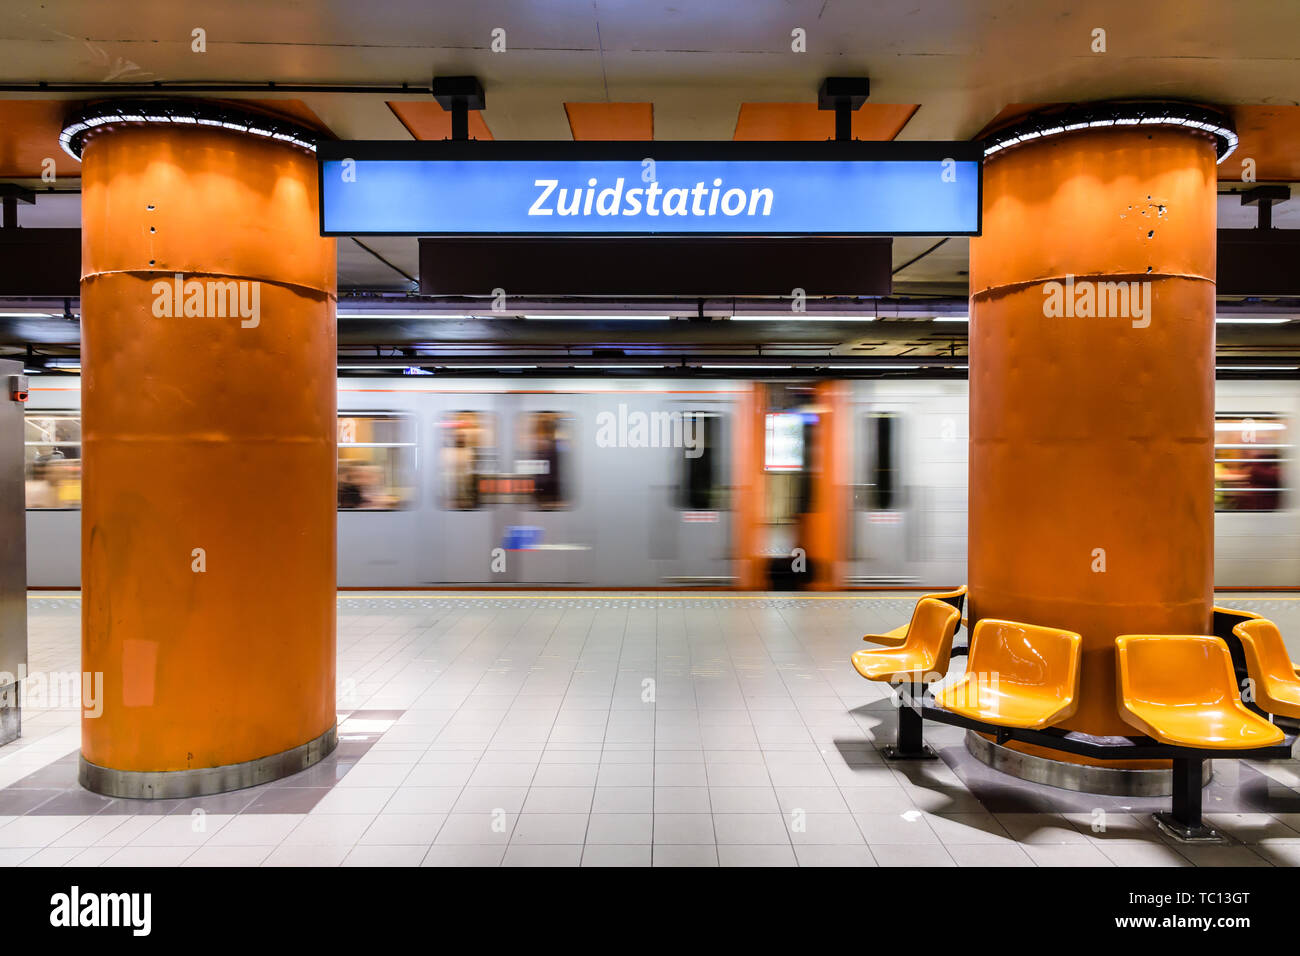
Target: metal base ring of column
{"type": "Point", "coordinates": [204, 781]}
{"type": "Point", "coordinates": [1104, 781]}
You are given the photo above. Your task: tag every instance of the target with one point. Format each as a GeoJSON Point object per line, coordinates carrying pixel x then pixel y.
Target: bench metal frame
{"type": "Point", "coordinates": [1183, 821]}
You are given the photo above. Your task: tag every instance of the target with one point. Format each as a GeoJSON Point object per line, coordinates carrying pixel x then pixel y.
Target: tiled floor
{"type": "Point", "coordinates": [614, 731]}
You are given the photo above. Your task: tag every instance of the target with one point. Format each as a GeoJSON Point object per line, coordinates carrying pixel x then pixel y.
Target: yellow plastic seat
{"type": "Point", "coordinates": [1277, 688]}
{"type": "Point", "coordinates": [1234, 612]}
{"type": "Point", "coordinates": [1182, 690]}
{"type": "Point", "coordinates": [1017, 675]}
{"type": "Point", "coordinates": [1244, 616]}
{"type": "Point", "coordinates": [898, 635]}
{"type": "Point", "coordinates": [924, 652]}
{"type": "Point", "coordinates": [893, 638]}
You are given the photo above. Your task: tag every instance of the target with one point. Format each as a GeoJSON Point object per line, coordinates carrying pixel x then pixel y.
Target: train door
{"type": "Point", "coordinates": [468, 447]}
{"type": "Point", "coordinates": [545, 531]}
{"type": "Point", "coordinates": [793, 429]}
{"type": "Point", "coordinates": [882, 512]}
{"type": "Point", "coordinates": [692, 533]}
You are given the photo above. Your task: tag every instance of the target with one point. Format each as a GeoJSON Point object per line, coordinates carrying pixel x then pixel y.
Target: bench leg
{"type": "Point", "coordinates": [1184, 822]}
{"type": "Point", "coordinates": [909, 743]}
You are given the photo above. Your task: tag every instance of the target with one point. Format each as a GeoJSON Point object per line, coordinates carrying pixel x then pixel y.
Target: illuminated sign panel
{"type": "Point", "coordinates": [649, 189]}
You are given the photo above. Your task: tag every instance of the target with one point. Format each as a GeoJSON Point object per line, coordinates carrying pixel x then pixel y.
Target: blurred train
{"type": "Point", "coordinates": [653, 483]}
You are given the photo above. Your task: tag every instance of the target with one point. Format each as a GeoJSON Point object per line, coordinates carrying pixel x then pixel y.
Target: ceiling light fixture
{"type": "Point", "coordinates": [814, 316]}
{"type": "Point", "coordinates": [1243, 320]}
{"type": "Point", "coordinates": [365, 368]}
{"type": "Point", "coordinates": [1257, 368]}
{"type": "Point", "coordinates": [405, 315]}
{"type": "Point", "coordinates": [601, 318]}
{"type": "Point", "coordinates": [192, 112]}
{"type": "Point", "coordinates": [1057, 122]}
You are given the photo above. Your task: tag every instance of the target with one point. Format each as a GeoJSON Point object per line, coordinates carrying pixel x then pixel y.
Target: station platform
{"type": "Point", "coordinates": [653, 729]}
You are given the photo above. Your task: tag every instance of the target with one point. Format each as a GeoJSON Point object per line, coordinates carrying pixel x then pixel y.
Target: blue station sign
{"type": "Point", "coordinates": [457, 188]}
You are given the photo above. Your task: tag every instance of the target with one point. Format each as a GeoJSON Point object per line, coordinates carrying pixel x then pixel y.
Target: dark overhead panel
{"type": "Point", "coordinates": [658, 267]}
{"type": "Point", "coordinates": [1259, 262]}
{"type": "Point", "coordinates": [40, 262]}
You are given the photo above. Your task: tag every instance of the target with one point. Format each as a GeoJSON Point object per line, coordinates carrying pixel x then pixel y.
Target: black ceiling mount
{"type": "Point", "coordinates": [458, 95]}
{"type": "Point", "coordinates": [11, 195]}
{"type": "Point", "coordinates": [844, 95]}
{"type": "Point", "coordinates": [1264, 197]}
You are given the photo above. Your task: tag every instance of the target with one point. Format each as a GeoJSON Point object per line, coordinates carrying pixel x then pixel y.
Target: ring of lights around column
{"type": "Point", "coordinates": [1121, 113]}
{"type": "Point", "coordinates": [113, 114]}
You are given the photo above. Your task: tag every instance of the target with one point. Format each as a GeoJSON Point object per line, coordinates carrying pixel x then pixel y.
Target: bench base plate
{"type": "Point", "coordinates": [892, 753]}
{"type": "Point", "coordinates": [1185, 834]}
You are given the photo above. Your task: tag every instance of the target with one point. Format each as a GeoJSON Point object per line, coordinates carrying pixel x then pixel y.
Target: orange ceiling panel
{"type": "Point", "coordinates": [1009, 114]}
{"type": "Point", "coordinates": [29, 132]}
{"type": "Point", "coordinates": [295, 110]}
{"type": "Point", "coordinates": [607, 121]}
{"type": "Point", "coordinates": [804, 121]}
{"type": "Point", "coordinates": [425, 119]}
{"type": "Point", "coordinates": [1270, 135]}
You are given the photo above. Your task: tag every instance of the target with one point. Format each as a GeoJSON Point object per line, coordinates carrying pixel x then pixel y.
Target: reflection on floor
{"type": "Point", "coordinates": [673, 730]}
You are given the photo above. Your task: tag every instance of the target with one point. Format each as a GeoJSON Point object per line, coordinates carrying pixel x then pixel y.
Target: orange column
{"type": "Point", "coordinates": [208, 517]}
{"type": "Point", "coordinates": [749, 504]}
{"type": "Point", "coordinates": [1091, 437]}
{"type": "Point", "coordinates": [830, 500]}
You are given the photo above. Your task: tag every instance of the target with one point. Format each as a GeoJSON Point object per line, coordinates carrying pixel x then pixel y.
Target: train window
{"type": "Point", "coordinates": [783, 445]}
{"type": "Point", "coordinates": [702, 486]}
{"type": "Point", "coordinates": [1250, 458]}
{"type": "Point", "coordinates": [545, 441]}
{"type": "Point", "coordinates": [468, 452]}
{"type": "Point", "coordinates": [376, 462]}
{"type": "Point", "coordinates": [882, 491]}
{"type": "Point", "coordinates": [52, 460]}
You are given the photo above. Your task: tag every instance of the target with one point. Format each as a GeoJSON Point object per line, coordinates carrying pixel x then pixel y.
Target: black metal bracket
{"type": "Point", "coordinates": [1103, 748]}
{"type": "Point", "coordinates": [10, 196]}
{"type": "Point", "coordinates": [458, 95]}
{"type": "Point", "coordinates": [844, 95]}
{"type": "Point", "coordinates": [1265, 197]}
{"type": "Point", "coordinates": [1183, 822]}
{"type": "Point", "coordinates": [17, 193]}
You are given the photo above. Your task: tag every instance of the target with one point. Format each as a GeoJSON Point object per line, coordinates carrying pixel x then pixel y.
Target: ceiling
{"type": "Point", "coordinates": [698, 70]}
